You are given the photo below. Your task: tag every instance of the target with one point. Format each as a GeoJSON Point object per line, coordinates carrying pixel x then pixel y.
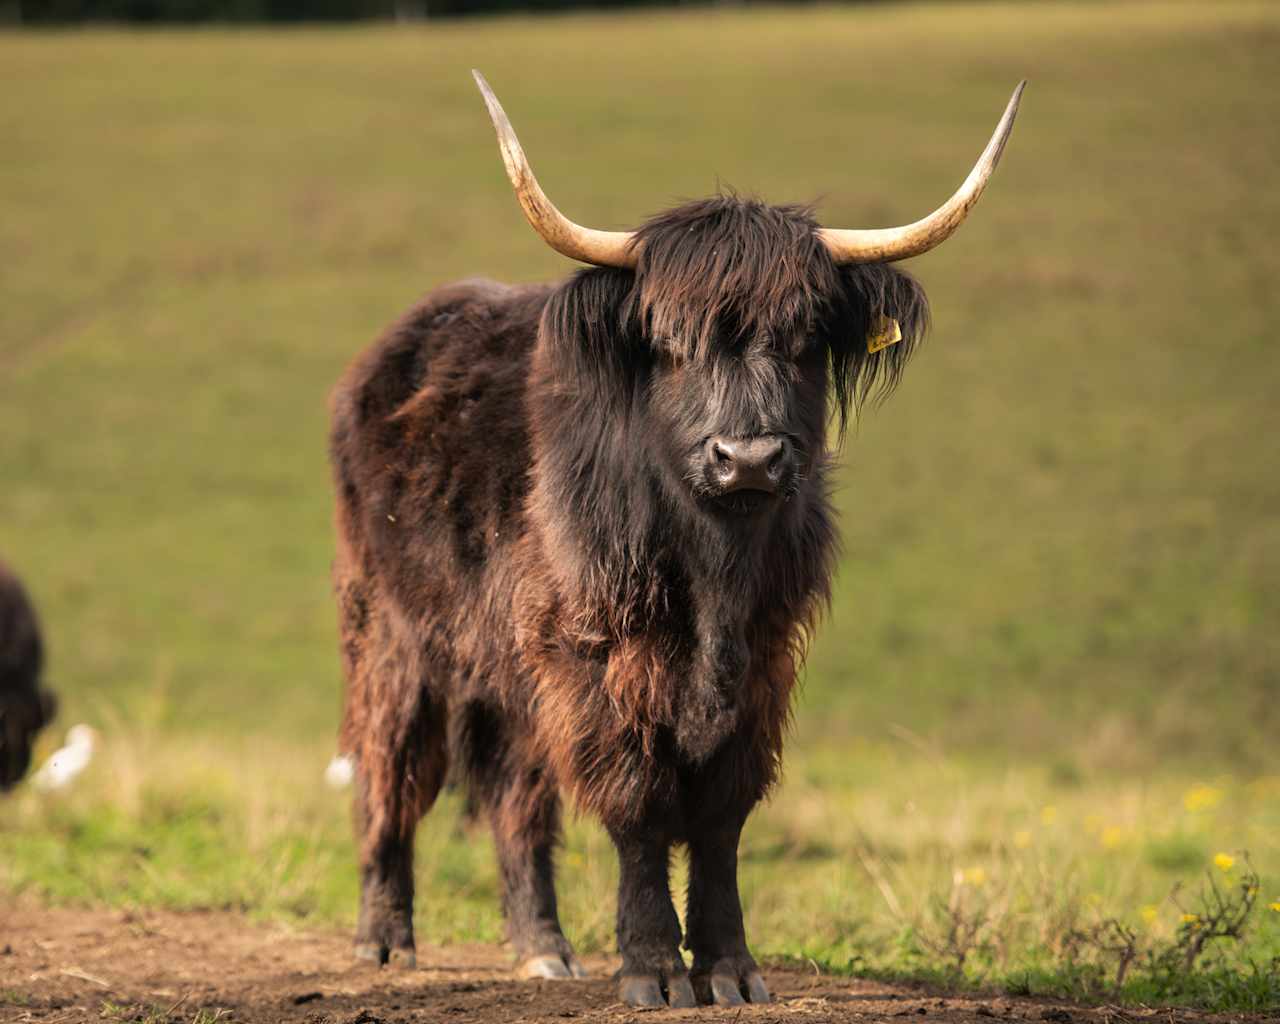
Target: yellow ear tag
{"type": "Point", "coordinates": [885, 331]}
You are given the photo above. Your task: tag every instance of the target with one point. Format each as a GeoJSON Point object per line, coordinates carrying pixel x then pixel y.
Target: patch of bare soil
{"type": "Point", "coordinates": [80, 965]}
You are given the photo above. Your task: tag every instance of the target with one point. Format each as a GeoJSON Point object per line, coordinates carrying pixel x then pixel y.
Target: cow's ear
{"type": "Point", "coordinates": [591, 318]}
{"type": "Point", "coordinates": [880, 319]}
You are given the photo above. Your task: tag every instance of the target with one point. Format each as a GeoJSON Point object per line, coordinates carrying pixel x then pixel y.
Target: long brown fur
{"type": "Point", "coordinates": [540, 593]}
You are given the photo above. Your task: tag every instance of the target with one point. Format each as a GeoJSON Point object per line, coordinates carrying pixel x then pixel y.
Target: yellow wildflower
{"type": "Point", "coordinates": [1048, 814]}
{"type": "Point", "coordinates": [1022, 839]}
{"type": "Point", "coordinates": [1201, 797]}
{"type": "Point", "coordinates": [1112, 836]}
{"type": "Point", "coordinates": [1150, 912]}
{"type": "Point", "coordinates": [1224, 861]}
{"type": "Point", "coordinates": [1190, 919]}
{"type": "Point", "coordinates": [1276, 906]}
{"type": "Point", "coordinates": [974, 876]}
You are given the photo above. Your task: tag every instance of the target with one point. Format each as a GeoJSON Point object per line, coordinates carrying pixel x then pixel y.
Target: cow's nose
{"type": "Point", "coordinates": [749, 463]}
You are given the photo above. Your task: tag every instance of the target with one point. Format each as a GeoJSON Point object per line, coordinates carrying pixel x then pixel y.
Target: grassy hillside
{"type": "Point", "coordinates": [1056, 619]}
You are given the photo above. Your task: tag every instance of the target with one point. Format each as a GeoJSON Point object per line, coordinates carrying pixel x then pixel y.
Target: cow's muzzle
{"type": "Point", "coordinates": [739, 465]}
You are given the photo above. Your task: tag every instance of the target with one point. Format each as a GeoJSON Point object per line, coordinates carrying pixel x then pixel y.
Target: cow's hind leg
{"type": "Point", "coordinates": [398, 782]}
{"type": "Point", "coordinates": [523, 809]}
{"type": "Point", "coordinates": [384, 928]}
{"type": "Point", "coordinates": [394, 727]}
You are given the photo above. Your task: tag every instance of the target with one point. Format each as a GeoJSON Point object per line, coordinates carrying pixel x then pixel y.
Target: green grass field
{"type": "Point", "coordinates": [1049, 688]}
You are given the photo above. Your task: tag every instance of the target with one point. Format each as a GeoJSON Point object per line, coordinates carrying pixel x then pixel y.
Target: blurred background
{"type": "Point", "coordinates": [1048, 690]}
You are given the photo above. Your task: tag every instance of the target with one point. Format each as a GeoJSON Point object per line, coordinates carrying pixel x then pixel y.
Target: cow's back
{"type": "Point", "coordinates": [430, 453]}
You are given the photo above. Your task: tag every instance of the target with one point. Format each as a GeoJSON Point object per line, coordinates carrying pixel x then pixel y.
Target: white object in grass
{"type": "Point", "coordinates": [67, 762]}
{"type": "Point", "coordinates": [340, 772]}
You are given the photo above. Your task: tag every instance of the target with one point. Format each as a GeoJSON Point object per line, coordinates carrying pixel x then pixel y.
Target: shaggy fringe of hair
{"type": "Point", "coordinates": [730, 268]}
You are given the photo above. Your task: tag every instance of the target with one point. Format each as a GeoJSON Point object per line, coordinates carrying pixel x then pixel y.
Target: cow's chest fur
{"type": "Point", "coordinates": [653, 708]}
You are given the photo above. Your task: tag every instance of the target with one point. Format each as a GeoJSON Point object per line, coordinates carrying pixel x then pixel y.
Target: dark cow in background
{"type": "Point", "coordinates": [25, 708]}
{"type": "Point", "coordinates": [583, 534]}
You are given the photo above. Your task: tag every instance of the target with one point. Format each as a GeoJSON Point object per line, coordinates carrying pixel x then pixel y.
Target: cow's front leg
{"type": "Point", "coordinates": [724, 972]}
{"type": "Point", "coordinates": [653, 968]}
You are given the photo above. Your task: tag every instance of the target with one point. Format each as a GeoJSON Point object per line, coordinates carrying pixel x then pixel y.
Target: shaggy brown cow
{"type": "Point", "coordinates": [25, 708]}
{"type": "Point", "coordinates": [583, 533]}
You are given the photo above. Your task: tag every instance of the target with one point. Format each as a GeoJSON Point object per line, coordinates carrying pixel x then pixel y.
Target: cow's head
{"type": "Point", "coordinates": [733, 327]}
{"type": "Point", "coordinates": [755, 334]}
{"type": "Point", "coordinates": [25, 708]}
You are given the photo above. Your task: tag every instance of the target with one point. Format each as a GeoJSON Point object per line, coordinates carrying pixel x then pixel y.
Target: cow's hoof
{"type": "Point", "coordinates": [645, 990]}
{"type": "Point", "coordinates": [405, 959]}
{"type": "Point", "coordinates": [551, 966]}
{"type": "Point", "coordinates": [732, 983]}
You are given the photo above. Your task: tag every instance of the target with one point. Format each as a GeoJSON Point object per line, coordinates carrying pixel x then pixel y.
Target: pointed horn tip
{"type": "Point", "coordinates": [1016, 98]}
{"type": "Point", "coordinates": [501, 124]}
{"type": "Point", "coordinates": [1005, 127]}
{"type": "Point", "coordinates": [891, 244]}
{"type": "Point", "coordinates": [490, 100]}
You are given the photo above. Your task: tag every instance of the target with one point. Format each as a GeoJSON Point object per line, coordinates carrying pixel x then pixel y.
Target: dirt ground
{"type": "Point", "coordinates": [62, 966]}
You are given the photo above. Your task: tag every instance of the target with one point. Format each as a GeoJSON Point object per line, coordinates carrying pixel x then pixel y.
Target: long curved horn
{"type": "Point", "coordinates": [603, 248]}
{"type": "Point", "coordinates": [884, 245]}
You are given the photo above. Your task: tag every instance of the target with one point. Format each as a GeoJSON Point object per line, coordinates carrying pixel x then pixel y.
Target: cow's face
{"type": "Point", "coordinates": [756, 334]}
{"type": "Point", "coordinates": [713, 367]}
{"type": "Point", "coordinates": [24, 711]}
{"type": "Point", "coordinates": [24, 707]}
{"type": "Point", "coordinates": [741, 424]}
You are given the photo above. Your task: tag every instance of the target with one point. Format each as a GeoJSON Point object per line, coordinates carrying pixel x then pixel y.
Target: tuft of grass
{"type": "Point", "coordinates": [151, 1014]}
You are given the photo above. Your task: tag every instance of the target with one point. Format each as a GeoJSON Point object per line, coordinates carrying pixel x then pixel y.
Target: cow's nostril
{"type": "Point", "coordinates": [720, 454]}
{"type": "Point", "coordinates": [778, 460]}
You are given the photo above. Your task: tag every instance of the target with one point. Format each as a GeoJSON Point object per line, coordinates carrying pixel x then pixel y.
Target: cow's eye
{"type": "Point", "coordinates": [670, 352]}
{"type": "Point", "coordinates": [803, 344]}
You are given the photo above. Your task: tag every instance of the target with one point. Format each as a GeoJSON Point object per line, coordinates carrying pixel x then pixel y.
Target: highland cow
{"type": "Point", "coordinates": [583, 532]}
{"type": "Point", "coordinates": [25, 708]}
